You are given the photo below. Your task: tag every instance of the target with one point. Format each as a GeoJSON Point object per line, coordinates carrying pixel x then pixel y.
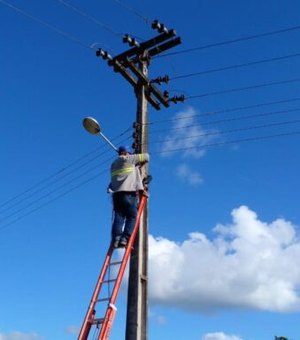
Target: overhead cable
{"type": "Point", "coordinates": [232, 67]}
{"type": "Point", "coordinates": [57, 176]}
{"type": "Point", "coordinates": [222, 132]}
{"type": "Point", "coordinates": [46, 24]}
{"type": "Point", "coordinates": [89, 17]}
{"type": "Point", "coordinates": [211, 113]}
{"type": "Point", "coordinates": [4, 226]}
{"type": "Point", "coordinates": [232, 41]}
{"type": "Point", "coordinates": [257, 115]}
{"type": "Point", "coordinates": [134, 11]}
{"type": "Point", "coordinates": [294, 133]}
{"type": "Point", "coordinates": [53, 191]}
{"type": "Point", "coordinates": [280, 82]}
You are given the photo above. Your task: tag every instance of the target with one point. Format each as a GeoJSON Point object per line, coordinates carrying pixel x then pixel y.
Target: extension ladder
{"type": "Point", "coordinates": [104, 324]}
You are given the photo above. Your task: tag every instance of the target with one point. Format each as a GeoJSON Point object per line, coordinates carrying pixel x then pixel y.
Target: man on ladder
{"type": "Point", "coordinates": [125, 184]}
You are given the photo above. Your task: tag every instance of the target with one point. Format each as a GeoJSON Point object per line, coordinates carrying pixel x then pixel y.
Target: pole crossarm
{"type": "Point", "coordinates": [128, 63]}
{"type": "Point", "coordinates": [145, 45]}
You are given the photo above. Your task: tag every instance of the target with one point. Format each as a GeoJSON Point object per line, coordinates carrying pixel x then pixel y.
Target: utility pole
{"type": "Point", "coordinates": [133, 66]}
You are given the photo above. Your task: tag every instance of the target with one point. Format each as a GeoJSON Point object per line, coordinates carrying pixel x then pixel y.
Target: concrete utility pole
{"type": "Point", "coordinates": [133, 66]}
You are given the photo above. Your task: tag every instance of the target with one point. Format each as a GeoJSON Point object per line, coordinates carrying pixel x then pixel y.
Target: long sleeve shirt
{"type": "Point", "coordinates": [125, 176]}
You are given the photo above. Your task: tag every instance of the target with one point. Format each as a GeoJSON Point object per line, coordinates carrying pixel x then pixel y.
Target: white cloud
{"type": "Point", "coordinates": [20, 336]}
{"type": "Point", "coordinates": [186, 133]}
{"type": "Point", "coordinates": [73, 330]}
{"type": "Point", "coordinates": [186, 174]}
{"type": "Point", "coordinates": [159, 319]}
{"type": "Point", "coordinates": [249, 264]}
{"type": "Point", "coordinates": [220, 336]}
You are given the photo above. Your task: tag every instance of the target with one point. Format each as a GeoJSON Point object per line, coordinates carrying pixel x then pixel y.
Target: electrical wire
{"type": "Point", "coordinates": [134, 11]}
{"type": "Point", "coordinates": [232, 67]}
{"type": "Point", "coordinates": [89, 17]}
{"type": "Point", "coordinates": [36, 200]}
{"type": "Point", "coordinates": [257, 115]}
{"type": "Point", "coordinates": [232, 41]}
{"type": "Point", "coordinates": [294, 133]}
{"type": "Point", "coordinates": [257, 86]}
{"type": "Point", "coordinates": [51, 201]}
{"type": "Point", "coordinates": [43, 188]}
{"type": "Point", "coordinates": [46, 24]}
{"type": "Point", "coordinates": [64, 172]}
{"type": "Point", "coordinates": [216, 133]}
{"type": "Point", "coordinates": [152, 153]}
{"type": "Point", "coordinates": [54, 190]}
{"type": "Point", "coordinates": [238, 108]}
{"type": "Point", "coordinates": [94, 167]}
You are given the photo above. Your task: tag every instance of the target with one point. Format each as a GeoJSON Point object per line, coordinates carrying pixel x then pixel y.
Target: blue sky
{"type": "Point", "coordinates": [224, 211]}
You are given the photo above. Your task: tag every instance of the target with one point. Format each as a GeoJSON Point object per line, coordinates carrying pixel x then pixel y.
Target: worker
{"type": "Point", "coordinates": [126, 183]}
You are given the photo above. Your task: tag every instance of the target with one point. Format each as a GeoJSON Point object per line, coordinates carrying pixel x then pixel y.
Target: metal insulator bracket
{"type": "Point", "coordinates": [177, 99]}
{"type": "Point", "coordinates": [160, 80]}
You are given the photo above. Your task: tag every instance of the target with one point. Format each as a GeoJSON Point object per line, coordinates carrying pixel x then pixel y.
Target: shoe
{"type": "Point", "coordinates": [123, 243]}
{"type": "Point", "coordinates": [115, 244]}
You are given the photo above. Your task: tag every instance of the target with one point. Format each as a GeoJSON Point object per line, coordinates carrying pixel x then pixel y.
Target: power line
{"type": "Point", "coordinates": [228, 131]}
{"type": "Point", "coordinates": [94, 167]}
{"type": "Point", "coordinates": [230, 142]}
{"type": "Point", "coordinates": [50, 201]}
{"type": "Point", "coordinates": [257, 115]}
{"type": "Point", "coordinates": [89, 17]}
{"type": "Point", "coordinates": [231, 67]}
{"type": "Point", "coordinates": [134, 11]}
{"type": "Point", "coordinates": [238, 108]}
{"type": "Point", "coordinates": [46, 24]}
{"type": "Point", "coordinates": [152, 153]}
{"type": "Point", "coordinates": [63, 171]}
{"type": "Point", "coordinates": [40, 189]}
{"type": "Point", "coordinates": [281, 82]}
{"type": "Point", "coordinates": [53, 191]}
{"type": "Point", "coordinates": [233, 41]}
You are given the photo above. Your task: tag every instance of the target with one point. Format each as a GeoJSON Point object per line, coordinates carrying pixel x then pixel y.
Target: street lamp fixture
{"type": "Point", "coordinates": [93, 127]}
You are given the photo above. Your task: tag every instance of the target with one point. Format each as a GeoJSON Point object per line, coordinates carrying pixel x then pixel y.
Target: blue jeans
{"type": "Point", "coordinates": [125, 209]}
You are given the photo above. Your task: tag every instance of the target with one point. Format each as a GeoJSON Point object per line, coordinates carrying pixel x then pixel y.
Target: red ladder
{"type": "Point", "coordinates": [104, 324]}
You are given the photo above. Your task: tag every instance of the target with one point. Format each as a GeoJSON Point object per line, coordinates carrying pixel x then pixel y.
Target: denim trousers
{"type": "Point", "coordinates": [125, 212]}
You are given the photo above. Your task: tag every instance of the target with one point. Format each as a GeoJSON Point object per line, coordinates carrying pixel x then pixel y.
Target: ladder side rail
{"type": "Point", "coordinates": [90, 314]}
{"type": "Point", "coordinates": [111, 310]}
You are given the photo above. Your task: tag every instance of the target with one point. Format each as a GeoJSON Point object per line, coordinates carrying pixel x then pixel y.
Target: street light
{"type": "Point", "coordinates": [93, 127]}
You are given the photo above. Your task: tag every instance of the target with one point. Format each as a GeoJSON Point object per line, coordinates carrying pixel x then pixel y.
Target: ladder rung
{"type": "Point", "coordinates": [114, 263]}
{"type": "Point", "coordinates": [103, 299]}
{"type": "Point", "coordinates": [98, 321]}
{"type": "Point", "coordinates": [109, 281]}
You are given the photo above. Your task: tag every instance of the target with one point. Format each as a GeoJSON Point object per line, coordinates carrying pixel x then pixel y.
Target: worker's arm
{"type": "Point", "coordinates": [139, 158]}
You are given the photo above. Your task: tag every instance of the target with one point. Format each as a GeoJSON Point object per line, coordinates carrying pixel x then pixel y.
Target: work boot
{"type": "Point", "coordinates": [115, 244]}
{"type": "Point", "coordinates": [123, 243]}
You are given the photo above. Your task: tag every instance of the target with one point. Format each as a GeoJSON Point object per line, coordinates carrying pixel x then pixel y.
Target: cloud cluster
{"type": "Point", "coordinates": [249, 264]}
{"type": "Point", "coordinates": [186, 135]}
{"type": "Point", "coordinates": [189, 138]}
{"type": "Point", "coordinates": [20, 336]}
{"type": "Point", "coordinates": [186, 174]}
{"type": "Point", "coordinates": [220, 336]}
{"type": "Point", "coordinates": [73, 330]}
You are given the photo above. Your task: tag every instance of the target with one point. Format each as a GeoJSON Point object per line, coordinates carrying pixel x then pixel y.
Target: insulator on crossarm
{"type": "Point", "coordinates": [130, 41]}
{"type": "Point", "coordinates": [161, 28]}
{"type": "Point", "coordinates": [136, 126]}
{"type": "Point", "coordinates": [103, 54]}
{"type": "Point", "coordinates": [134, 146]}
{"type": "Point", "coordinates": [159, 80]}
{"type": "Point", "coordinates": [177, 99]}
